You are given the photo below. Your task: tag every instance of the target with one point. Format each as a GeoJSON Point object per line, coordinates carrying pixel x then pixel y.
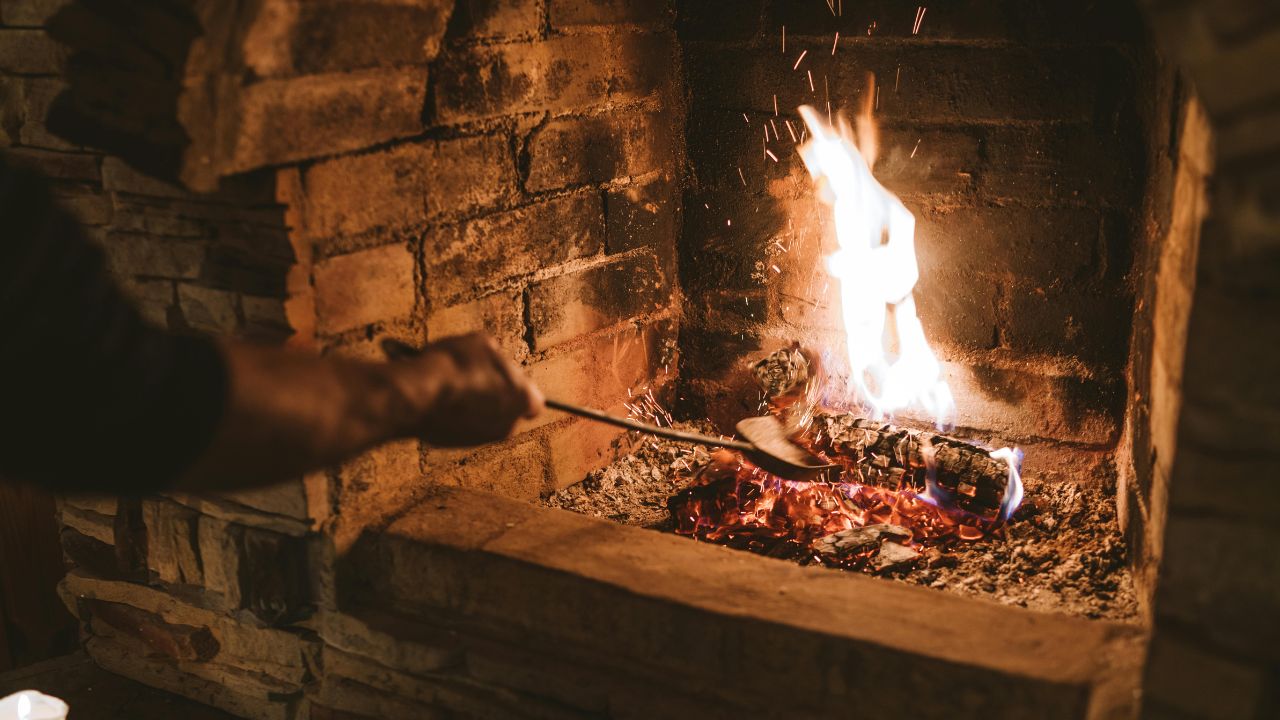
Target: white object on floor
{"type": "Point", "coordinates": [32, 705]}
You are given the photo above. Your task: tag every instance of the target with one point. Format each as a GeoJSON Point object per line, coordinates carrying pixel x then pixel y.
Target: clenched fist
{"type": "Point", "coordinates": [467, 392]}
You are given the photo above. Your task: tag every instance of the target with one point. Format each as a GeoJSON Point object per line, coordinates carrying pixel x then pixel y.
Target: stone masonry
{"type": "Point", "coordinates": [507, 166]}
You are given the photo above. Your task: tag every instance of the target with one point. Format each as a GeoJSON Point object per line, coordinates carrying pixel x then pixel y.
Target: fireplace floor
{"type": "Point", "coordinates": [1061, 552]}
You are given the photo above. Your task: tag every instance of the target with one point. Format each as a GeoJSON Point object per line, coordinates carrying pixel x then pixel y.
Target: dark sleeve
{"type": "Point", "coordinates": [91, 397]}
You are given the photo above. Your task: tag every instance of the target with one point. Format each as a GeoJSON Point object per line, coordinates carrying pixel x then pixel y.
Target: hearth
{"type": "Point", "coordinates": [648, 205]}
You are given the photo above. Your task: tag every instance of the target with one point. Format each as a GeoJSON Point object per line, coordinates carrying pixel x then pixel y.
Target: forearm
{"type": "Point", "coordinates": [289, 413]}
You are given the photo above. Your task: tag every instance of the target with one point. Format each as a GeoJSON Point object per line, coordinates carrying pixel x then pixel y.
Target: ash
{"type": "Point", "coordinates": [1061, 552]}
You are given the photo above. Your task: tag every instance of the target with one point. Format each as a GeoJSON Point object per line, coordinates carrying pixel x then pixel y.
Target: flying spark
{"type": "Point", "coordinates": [799, 60]}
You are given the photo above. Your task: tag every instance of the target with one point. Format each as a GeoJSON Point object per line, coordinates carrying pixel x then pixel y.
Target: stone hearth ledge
{"type": "Point", "coordinates": [636, 614]}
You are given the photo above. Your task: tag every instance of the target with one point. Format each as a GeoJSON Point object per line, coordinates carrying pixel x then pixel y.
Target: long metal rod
{"type": "Point", "coordinates": [669, 433]}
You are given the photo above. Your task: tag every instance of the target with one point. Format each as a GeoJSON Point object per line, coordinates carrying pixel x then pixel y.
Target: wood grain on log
{"type": "Point", "coordinates": [888, 455]}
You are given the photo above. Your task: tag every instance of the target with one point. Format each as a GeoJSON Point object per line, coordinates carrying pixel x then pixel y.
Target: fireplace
{"type": "Point", "coordinates": [612, 190]}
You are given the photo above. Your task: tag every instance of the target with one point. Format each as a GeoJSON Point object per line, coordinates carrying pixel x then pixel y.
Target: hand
{"type": "Point", "coordinates": [477, 394]}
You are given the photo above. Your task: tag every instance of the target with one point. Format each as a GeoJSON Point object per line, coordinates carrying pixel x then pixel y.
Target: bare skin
{"type": "Point", "coordinates": [291, 412]}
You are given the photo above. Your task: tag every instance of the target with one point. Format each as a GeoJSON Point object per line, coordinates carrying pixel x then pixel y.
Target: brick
{"type": "Point", "coordinates": [172, 542]}
{"type": "Point", "coordinates": [208, 309]}
{"type": "Point", "coordinates": [407, 184]}
{"type": "Point", "coordinates": [118, 176]}
{"type": "Point", "coordinates": [957, 309]}
{"type": "Point", "coordinates": [1209, 586]}
{"type": "Point", "coordinates": [130, 254]}
{"type": "Point", "coordinates": [88, 523]}
{"type": "Point", "coordinates": [1041, 246]}
{"type": "Point", "coordinates": [567, 13]}
{"type": "Point", "coordinates": [642, 215]}
{"type": "Point", "coordinates": [89, 553]}
{"type": "Point", "coordinates": [265, 315]}
{"type": "Point", "coordinates": [598, 149]}
{"type": "Point", "coordinates": [703, 21]}
{"type": "Point", "coordinates": [91, 207]}
{"type": "Point", "coordinates": [500, 314]}
{"type": "Point", "coordinates": [30, 52]}
{"type": "Point", "coordinates": [917, 160]}
{"type": "Point", "coordinates": [481, 253]}
{"type": "Point", "coordinates": [496, 18]}
{"type": "Point", "coordinates": [1218, 73]}
{"type": "Point", "coordinates": [63, 166]}
{"type": "Point", "coordinates": [580, 447]}
{"type": "Point", "coordinates": [153, 298]}
{"type": "Point", "coordinates": [307, 37]}
{"type": "Point", "coordinates": [218, 542]}
{"type": "Point", "coordinates": [725, 236]}
{"type": "Point", "coordinates": [252, 697]}
{"type": "Point", "coordinates": [282, 121]}
{"type": "Point", "coordinates": [559, 74]}
{"type": "Point", "coordinates": [516, 468]}
{"type": "Point", "coordinates": [564, 307]}
{"type": "Point", "coordinates": [625, 592]}
{"type": "Point", "coordinates": [155, 218]}
{"type": "Point", "coordinates": [29, 13]}
{"type": "Point", "coordinates": [363, 288]}
{"type": "Point", "coordinates": [1090, 324]}
{"type": "Point", "coordinates": [40, 94]}
{"type": "Point", "coordinates": [1186, 678]}
{"type": "Point", "coordinates": [376, 485]}
{"type": "Point", "coordinates": [938, 83]}
{"type": "Point", "coordinates": [1061, 163]}
{"type": "Point", "coordinates": [606, 370]}
{"type": "Point", "coordinates": [183, 643]}
{"type": "Point", "coordinates": [1022, 22]}
{"type": "Point", "coordinates": [13, 110]}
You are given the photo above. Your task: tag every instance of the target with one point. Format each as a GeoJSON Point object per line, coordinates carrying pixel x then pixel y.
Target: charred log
{"type": "Point", "coordinates": [890, 456]}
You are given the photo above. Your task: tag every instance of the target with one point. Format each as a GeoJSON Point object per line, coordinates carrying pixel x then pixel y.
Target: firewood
{"type": "Point", "coordinates": [884, 454]}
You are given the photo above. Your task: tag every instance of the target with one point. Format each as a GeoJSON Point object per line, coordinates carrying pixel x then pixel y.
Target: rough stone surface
{"type": "Point", "coordinates": [407, 184]}
{"type": "Point", "coordinates": [363, 288]}
{"type": "Point", "coordinates": [489, 250]}
{"type": "Point", "coordinates": [567, 306]}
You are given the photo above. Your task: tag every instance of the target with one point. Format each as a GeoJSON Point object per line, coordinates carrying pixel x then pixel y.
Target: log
{"type": "Point", "coordinates": [887, 455]}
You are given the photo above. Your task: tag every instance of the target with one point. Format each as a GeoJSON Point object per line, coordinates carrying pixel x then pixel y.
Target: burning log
{"type": "Point", "coordinates": [889, 456]}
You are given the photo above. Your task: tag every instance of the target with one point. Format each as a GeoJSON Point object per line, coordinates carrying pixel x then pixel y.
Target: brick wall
{"type": "Point", "coordinates": [509, 167]}
{"type": "Point", "coordinates": [1010, 129]}
{"type": "Point", "coordinates": [1213, 652]}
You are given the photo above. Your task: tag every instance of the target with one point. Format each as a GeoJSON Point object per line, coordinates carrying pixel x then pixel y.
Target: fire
{"type": "Point", "coordinates": [876, 268]}
{"type": "Point", "coordinates": [886, 507]}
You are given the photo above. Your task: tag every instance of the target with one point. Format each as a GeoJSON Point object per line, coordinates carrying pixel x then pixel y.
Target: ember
{"type": "Point", "coordinates": [886, 508]}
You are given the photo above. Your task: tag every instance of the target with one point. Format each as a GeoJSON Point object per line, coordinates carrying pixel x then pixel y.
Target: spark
{"type": "Point", "coordinates": [799, 60]}
{"type": "Point", "coordinates": [775, 269]}
{"type": "Point", "coordinates": [728, 222]}
{"type": "Point", "coordinates": [775, 105]}
{"type": "Point", "coordinates": [742, 177]}
{"type": "Point", "coordinates": [771, 155]}
{"type": "Point", "coordinates": [835, 43]}
{"type": "Point", "coordinates": [791, 131]}
{"type": "Point", "coordinates": [832, 7]}
{"type": "Point", "coordinates": [877, 97]}
{"type": "Point", "coordinates": [917, 147]}
{"type": "Point", "coordinates": [896, 77]}
{"type": "Point", "coordinates": [744, 117]}
{"type": "Point", "coordinates": [784, 39]}
{"type": "Point", "coordinates": [811, 88]}
{"type": "Point", "coordinates": [920, 11]}
{"type": "Point", "coordinates": [774, 125]}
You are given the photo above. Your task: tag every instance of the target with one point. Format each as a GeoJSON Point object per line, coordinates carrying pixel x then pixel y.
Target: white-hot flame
{"type": "Point", "coordinates": [876, 267]}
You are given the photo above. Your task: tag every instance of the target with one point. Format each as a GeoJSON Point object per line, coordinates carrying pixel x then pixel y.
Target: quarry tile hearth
{"type": "Point", "coordinates": [629, 198]}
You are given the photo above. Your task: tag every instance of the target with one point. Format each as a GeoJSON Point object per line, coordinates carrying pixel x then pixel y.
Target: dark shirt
{"type": "Point", "coordinates": [91, 396]}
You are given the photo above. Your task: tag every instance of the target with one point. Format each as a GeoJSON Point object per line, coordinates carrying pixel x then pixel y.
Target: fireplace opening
{"type": "Point", "coordinates": [993, 172]}
{"type": "Point", "coordinates": [954, 249]}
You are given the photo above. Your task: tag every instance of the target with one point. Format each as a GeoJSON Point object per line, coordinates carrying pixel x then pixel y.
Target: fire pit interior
{"type": "Point", "coordinates": [954, 249]}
